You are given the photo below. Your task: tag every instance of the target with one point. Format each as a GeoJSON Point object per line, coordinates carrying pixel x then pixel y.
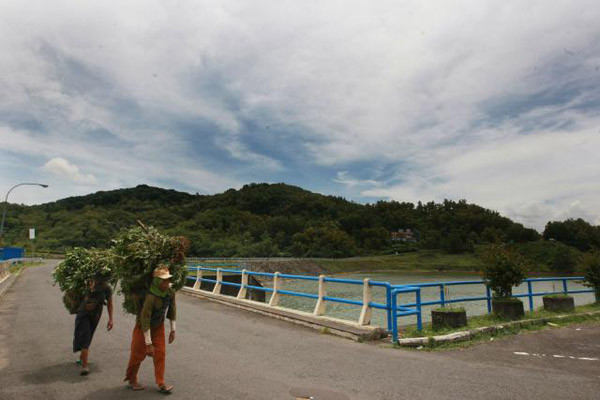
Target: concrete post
{"type": "Point", "coordinates": [217, 289]}
{"type": "Point", "coordinates": [320, 307]}
{"type": "Point", "coordinates": [367, 311]}
{"type": "Point", "coordinates": [243, 290]}
{"type": "Point", "coordinates": [275, 296]}
{"type": "Point", "coordinates": [198, 279]}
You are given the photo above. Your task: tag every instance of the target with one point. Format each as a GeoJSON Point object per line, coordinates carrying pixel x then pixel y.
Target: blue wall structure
{"type": "Point", "coordinates": [7, 253]}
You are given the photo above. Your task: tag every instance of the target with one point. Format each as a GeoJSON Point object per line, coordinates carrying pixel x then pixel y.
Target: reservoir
{"type": "Point", "coordinates": [354, 292]}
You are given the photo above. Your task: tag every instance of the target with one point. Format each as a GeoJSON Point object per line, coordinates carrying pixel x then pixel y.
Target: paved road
{"type": "Point", "coordinates": [225, 353]}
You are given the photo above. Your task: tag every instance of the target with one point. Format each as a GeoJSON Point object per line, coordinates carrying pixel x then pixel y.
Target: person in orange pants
{"type": "Point", "coordinates": [148, 337]}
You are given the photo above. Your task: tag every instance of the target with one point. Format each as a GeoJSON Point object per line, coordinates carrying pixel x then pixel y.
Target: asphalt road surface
{"type": "Point", "coordinates": [224, 353]}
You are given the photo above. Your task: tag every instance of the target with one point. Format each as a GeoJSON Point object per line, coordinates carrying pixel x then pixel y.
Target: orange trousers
{"type": "Point", "coordinates": [138, 353]}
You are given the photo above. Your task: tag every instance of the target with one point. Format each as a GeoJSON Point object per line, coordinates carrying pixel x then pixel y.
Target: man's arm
{"type": "Point", "coordinates": [145, 317]}
{"type": "Point", "coordinates": [109, 306]}
{"type": "Point", "coordinates": [172, 315]}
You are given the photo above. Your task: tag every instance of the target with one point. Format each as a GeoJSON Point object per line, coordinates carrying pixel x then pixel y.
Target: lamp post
{"type": "Point", "coordinates": [6, 204]}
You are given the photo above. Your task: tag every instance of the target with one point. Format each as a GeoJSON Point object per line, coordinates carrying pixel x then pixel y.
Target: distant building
{"type": "Point", "coordinates": [405, 235]}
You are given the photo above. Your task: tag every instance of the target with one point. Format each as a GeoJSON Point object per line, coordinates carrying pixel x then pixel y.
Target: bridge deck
{"type": "Point", "coordinates": [226, 353]}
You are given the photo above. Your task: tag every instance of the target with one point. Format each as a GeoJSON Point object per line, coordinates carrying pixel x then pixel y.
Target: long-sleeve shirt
{"type": "Point", "coordinates": [153, 305]}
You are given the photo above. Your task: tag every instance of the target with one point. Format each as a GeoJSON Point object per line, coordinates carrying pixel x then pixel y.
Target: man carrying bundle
{"type": "Point", "coordinates": [149, 332]}
{"type": "Point", "coordinates": [88, 316]}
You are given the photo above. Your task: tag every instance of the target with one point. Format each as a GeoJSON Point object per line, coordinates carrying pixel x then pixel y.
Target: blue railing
{"type": "Point", "coordinates": [215, 267]}
{"type": "Point", "coordinates": [406, 309]}
{"type": "Point", "coordinates": [393, 308]}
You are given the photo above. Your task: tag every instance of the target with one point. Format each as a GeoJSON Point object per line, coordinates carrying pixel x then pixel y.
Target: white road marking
{"type": "Point", "coordinates": [522, 353]}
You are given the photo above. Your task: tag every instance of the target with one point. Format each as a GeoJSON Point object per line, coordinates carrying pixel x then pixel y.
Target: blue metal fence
{"type": "Point", "coordinates": [393, 307]}
{"type": "Point", "coordinates": [215, 267]}
{"type": "Point", "coordinates": [400, 309]}
{"type": "Point", "coordinates": [7, 253]}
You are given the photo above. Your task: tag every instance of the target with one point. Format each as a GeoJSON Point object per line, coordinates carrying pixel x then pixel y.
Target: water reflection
{"type": "Point", "coordinates": [354, 292]}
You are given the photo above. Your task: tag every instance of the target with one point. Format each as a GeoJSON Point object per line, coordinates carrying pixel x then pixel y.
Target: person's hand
{"type": "Point", "coordinates": [150, 350]}
{"type": "Point", "coordinates": [171, 337]}
{"type": "Point", "coordinates": [109, 326]}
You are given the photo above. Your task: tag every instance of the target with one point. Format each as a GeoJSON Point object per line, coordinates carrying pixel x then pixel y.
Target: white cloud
{"type": "Point", "coordinates": [489, 101]}
{"type": "Point", "coordinates": [64, 169]}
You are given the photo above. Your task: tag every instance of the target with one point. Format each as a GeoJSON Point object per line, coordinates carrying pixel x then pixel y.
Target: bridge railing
{"type": "Point", "coordinates": [321, 297]}
{"type": "Point", "coordinates": [5, 266]}
{"type": "Point", "coordinates": [401, 309]}
{"type": "Point", "coordinates": [4, 270]}
{"type": "Point", "coordinates": [393, 307]}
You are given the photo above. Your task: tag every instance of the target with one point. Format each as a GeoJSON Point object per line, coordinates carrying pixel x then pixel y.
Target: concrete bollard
{"type": "Point", "coordinates": [275, 296]}
{"type": "Point", "coordinates": [321, 303]}
{"type": "Point", "coordinates": [243, 289]}
{"type": "Point", "coordinates": [217, 288]}
{"type": "Point", "coordinates": [198, 282]}
{"type": "Point", "coordinates": [366, 312]}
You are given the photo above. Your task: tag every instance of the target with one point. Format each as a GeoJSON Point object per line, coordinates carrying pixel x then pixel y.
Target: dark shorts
{"type": "Point", "coordinates": [85, 326]}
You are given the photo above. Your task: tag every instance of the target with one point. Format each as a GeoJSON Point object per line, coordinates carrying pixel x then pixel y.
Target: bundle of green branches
{"type": "Point", "coordinates": [138, 251]}
{"type": "Point", "coordinates": [77, 271]}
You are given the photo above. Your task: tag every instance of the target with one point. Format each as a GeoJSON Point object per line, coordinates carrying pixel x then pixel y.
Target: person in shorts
{"type": "Point", "coordinates": [88, 316]}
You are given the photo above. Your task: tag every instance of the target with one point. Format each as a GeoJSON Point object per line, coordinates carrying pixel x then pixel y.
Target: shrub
{"type": "Point", "coordinates": [564, 261]}
{"type": "Point", "coordinates": [504, 268]}
{"type": "Point", "coordinates": [590, 264]}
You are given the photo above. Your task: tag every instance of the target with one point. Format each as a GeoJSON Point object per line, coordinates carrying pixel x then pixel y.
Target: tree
{"type": "Point", "coordinates": [564, 261]}
{"type": "Point", "coordinates": [590, 263]}
{"type": "Point", "coordinates": [574, 232]}
{"type": "Point", "coordinates": [455, 243]}
{"type": "Point", "coordinates": [503, 269]}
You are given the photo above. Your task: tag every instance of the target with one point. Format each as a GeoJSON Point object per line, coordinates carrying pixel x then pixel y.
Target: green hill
{"type": "Point", "coordinates": [263, 220]}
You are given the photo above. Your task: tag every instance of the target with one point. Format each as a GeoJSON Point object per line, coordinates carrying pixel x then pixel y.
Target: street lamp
{"type": "Point", "coordinates": [6, 204]}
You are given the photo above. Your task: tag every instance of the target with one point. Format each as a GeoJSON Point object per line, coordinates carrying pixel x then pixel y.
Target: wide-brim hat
{"type": "Point", "coordinates": [162, 273]}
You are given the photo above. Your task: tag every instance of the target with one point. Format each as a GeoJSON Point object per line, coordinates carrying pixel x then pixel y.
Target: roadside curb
{"type": "Point", "coordinates": [8, 282]}
{"type": "Point", "coordinates": [325, 324]}
{"type": "Point", "coordinates": [467, 335]}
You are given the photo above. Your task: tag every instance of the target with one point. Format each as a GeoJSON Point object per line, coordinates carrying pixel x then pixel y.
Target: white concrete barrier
{"type": "Point", "coordinates": [360, 330]}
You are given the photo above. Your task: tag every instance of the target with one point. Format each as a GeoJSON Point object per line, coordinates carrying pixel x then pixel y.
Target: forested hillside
{"type": "Point", "coordinates": [262, 220]}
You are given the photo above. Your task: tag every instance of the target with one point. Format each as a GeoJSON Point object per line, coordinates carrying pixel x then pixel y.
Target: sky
{"type": "Point", "coordinates": [495, 102]}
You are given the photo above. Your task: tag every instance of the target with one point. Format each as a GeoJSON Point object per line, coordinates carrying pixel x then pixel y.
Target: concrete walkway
{"type": "Point", "coordinates": [225, 353]}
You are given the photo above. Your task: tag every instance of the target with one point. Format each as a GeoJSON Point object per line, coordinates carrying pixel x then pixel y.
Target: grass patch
{"type": "Point", "coordinates": [491, 319]}
{"type": "Point", "coordinates": [424, 260]}
{"type": "Point", "coordinates": [557, 296]}
{"type": "Point", "coordinates": [450, 309]}
{"type": "Point", "coordinates": [19, 266]}
{"type": "Point", "coordinates": [506, 300]}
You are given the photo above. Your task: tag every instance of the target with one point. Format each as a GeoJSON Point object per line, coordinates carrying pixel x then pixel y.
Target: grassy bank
{"type": "Point", "coordinates": [492, 320]}
{"type": "Point", "coordinates": [425, 260]}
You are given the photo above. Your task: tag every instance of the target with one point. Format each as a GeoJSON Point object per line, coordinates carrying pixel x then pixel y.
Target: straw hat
{"type": "Point", "coordinates": [162, 273]}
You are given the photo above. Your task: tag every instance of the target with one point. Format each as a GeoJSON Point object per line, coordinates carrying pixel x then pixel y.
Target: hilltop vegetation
{"type": "Point", "coordinates": [262, 220]}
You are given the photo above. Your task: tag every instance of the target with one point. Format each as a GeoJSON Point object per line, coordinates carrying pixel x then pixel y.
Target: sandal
{"type": "Point", "coordinates": [84, 371]}
{"type": "Point", "coordinates": [137, 386]}
{"type": "Point", "coordinates": [165, 389]}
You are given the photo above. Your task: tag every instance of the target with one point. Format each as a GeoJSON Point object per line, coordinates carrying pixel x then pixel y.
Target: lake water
{"type": "Point", "coordinates": [354, 292]}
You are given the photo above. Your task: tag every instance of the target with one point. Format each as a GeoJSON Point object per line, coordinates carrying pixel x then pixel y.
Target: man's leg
{"type": "Point", "coordinates": [158, 340]}
{"type": "Point", "coordinates": [84, 357]}
{"type": "Point", "coordinates": [138, 353]}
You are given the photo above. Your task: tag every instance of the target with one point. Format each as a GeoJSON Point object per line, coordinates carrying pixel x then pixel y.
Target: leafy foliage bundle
{"type": "Point", "coordinates": [137, 252]}
{"type": "Point", "coordinates": [76, 272]}
{"type": "Point", "coordinates": [504, 268]}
